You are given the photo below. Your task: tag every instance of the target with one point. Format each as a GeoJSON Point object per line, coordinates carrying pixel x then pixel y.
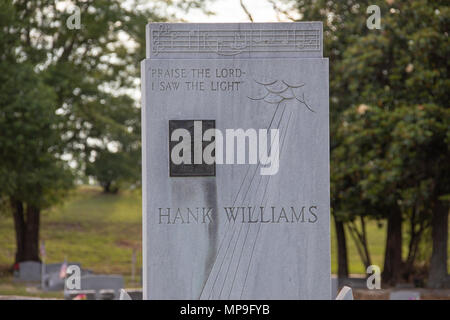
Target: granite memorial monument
{"type": "Point", "coordinates": [235, 166]}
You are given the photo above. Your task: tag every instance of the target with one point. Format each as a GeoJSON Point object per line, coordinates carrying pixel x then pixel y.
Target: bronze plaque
{"type": "Point", "coordinates": [191, 169]}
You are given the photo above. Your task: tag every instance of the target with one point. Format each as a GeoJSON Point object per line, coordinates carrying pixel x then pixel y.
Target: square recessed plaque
{"type": "Point", "coordinates": [192, 169]}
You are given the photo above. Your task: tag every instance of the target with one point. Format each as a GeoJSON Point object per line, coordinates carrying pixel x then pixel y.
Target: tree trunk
{"type": "Point", "coordinates": [360, 239]}
{"type": "Point", "coordinates": [110, 188]}
{"type": "Point", "coordinates": [27, 231]}
{"type": "Point", "coordinates": [107, 187]}
{"type": "Point", "coordinates": [19, 226]}
{"type": "Point", "coordinates": [342, 249]}
{"type": "Point", "coordinates": [32, 234]}
{"type": "Point", "coordinates": [393, 253]}
{"type": "Point", "coordinates": [365, 242]}
{"type": "Point", "coordinates": [438, 264]}
{"type": "Point", "coordinates": [414, 242]}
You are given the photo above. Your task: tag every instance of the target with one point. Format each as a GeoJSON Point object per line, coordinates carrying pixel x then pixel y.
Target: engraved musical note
{"type": "Point", "coordinates": [233, 42]}
{"type": "Point", "coordinates": [156, 37]}
{"type": "Point", "coordinates": [285, 41]}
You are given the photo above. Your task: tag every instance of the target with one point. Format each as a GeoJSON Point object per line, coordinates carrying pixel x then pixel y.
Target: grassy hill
{"type": "Point", "coordinates": [100, 231]}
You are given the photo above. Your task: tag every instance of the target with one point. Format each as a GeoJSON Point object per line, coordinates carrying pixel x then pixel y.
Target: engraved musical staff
{"type": "Point", "coordinates": [233, 42]}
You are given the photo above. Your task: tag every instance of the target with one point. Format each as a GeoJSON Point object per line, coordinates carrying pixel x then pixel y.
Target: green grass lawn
{"type": "Point", "coordinates": [100, 231]}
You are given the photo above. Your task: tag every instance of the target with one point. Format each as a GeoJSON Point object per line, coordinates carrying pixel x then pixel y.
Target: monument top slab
{"type": "Point", "coordinates": [234, 40]}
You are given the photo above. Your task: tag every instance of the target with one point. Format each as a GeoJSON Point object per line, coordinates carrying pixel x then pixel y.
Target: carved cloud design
{"type": "Point", "coordinates": [277, 91]}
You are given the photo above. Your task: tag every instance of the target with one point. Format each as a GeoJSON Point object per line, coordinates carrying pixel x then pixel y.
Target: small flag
{"type": "Point", "coordinates": [42, 250]}
{"type": "Point", "coordinates": [63, 270]}
{"type": "Point", "coordinates": [16, 269]}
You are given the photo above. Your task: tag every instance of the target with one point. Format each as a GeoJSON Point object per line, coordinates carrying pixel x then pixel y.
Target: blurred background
{"type": "Point", "coordinates": [70, 134]}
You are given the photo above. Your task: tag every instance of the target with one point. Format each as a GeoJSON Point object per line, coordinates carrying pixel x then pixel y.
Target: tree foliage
{"type": "Point", "coordinates": [389, 112]}
{"type": "Point", "coordinates": [68, 96]}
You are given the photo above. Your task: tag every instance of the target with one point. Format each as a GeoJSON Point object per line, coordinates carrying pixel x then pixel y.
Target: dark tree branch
{"type": "Point", "coordinates": [246, 11]}
{"type": "Point", "coordinates": [281, 11]}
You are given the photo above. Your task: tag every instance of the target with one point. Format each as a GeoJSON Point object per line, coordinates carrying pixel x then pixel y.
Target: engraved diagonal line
{"type": "Point", "coordinates": [257, 188]}
{"type": "Point", "coordinates": [262, 200]}
{"type": "Point", "coordinates": [245, 239]}
{"type": "Point", "coordinates": [240, 229]}
{"type": "Point", "coordinates": [232, 254]}
{"type": "Point", "coordinates": [225, 233]}
{"type": "Point", "coordinates": [237, 240]}
{"type": "Point", "coordinates": [234, 229]}
{"type": "Point", "coordinates": [259, 227]}
{"type": "Point", "coordinates": [232, 257]}
{"type": "Point", "coordinates": [229, 224]}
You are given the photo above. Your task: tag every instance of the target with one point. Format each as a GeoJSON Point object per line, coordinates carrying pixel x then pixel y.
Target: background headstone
{"type": "Point", "coordinates": [355, 282]}
{"type": "Point", "coordinates": [404, 295]}
{"type": "Point", "coordinates": [260, 76]}
{"type": "Point", "coordinates": [56, 267]}
{"type": "Point", "coordinates": [104, 286]}
{"type": "Point", "coordinates": [29, 271]}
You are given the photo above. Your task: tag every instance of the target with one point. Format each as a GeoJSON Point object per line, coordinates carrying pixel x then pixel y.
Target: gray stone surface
{"type": "Point", "coordinates": [99, 284]}
{"type": "Point", "coordinates": [356, 283]}
{"type": "Point", "coordinates": [56, 267]}
{"type": "Point", "coordinates": [51, 278]}
{"type": "Point", "coordinates": [29, 271]}
{"type": "Point", "coordinates": [271, 250]}
{"type": "Point", "coordinates": [234, 40]}
{"type": "Point", "coordinates": [53, 282]}
{"type": "Point", "coordinates": [404, 295]}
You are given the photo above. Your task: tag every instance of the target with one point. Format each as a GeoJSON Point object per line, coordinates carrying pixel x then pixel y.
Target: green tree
{"type": "Point", "coordinates": [402, 66]}
{"type": "Point", "coordinates": [116, 154]}
{"type": "Point", "coordinates": [394, 163]}
{"type": "Point", "coordinates": [64, 93]}
{"type": "Point", "coordinates": [114, 169]}
{"type": "Point", "coordinates": [32, 175]}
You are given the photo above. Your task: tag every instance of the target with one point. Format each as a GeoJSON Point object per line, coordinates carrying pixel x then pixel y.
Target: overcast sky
{"type": "Point", "coordinates": [231, 11]}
